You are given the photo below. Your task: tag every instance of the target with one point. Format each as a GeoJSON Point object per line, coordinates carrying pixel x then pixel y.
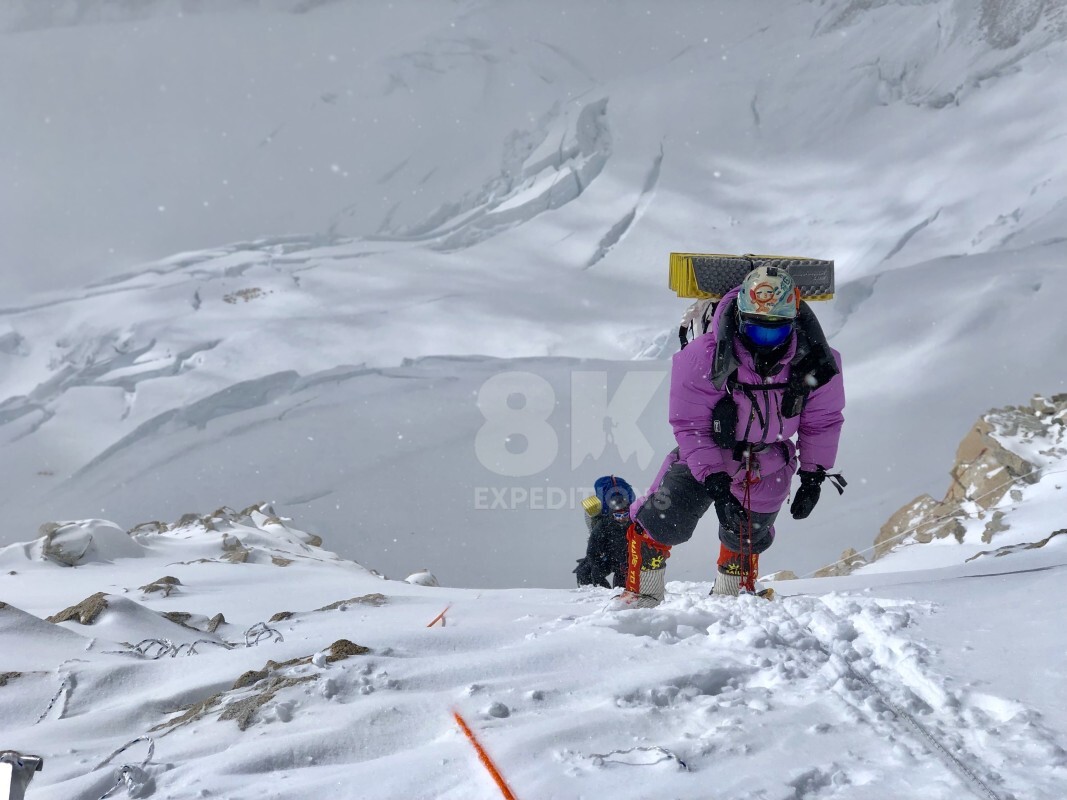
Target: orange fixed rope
{"type": "Point", "coordinates": [484, 758]}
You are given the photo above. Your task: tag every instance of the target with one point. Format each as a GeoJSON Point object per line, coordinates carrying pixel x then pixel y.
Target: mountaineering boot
{"type": "Point", "coordinates": [646, 570]}
{"type": "Point", "coordinates": [726, 584]}
{"type": "Point", "coordinates": [730, 571]}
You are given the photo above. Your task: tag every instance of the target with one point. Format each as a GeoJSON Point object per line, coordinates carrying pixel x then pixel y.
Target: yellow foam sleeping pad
{"type": "Point", "coordinates": [712, 275]}
{"type": "Point", "coordinates": [592, 505]}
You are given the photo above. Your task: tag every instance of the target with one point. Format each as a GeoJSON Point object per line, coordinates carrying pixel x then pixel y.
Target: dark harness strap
{"type": "Point", "coordinates": [749, 390]}
{"type": "Point", "coordinates": [811, 367]}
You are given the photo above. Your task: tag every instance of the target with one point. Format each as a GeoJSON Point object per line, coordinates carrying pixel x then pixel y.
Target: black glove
{"type": "Point", "coordinates": [727, 507]}
{"type": "Point", "coordinates": [717, 485]}
{"type": "Point", "coordinates": [808, 493]}
{"type": "Point", "coordinates": [591, 574]}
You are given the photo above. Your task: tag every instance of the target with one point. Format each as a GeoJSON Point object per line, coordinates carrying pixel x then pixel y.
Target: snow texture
{"type": "Point", "coordinates": [325, 680]}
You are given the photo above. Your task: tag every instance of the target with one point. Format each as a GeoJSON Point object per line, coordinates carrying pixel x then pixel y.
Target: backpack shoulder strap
{"type": "Point", "coordinates": [813, 365]}
{"type": "Point", "coordinates": [813, 359]}
{"type": "Point", "coordinates": [724, 362]}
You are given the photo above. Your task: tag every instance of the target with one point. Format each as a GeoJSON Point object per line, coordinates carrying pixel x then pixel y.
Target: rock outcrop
{"type": "Point", "coordinates": [849, 561]}
{"type": "Point", "coordinates": [1005, 450]}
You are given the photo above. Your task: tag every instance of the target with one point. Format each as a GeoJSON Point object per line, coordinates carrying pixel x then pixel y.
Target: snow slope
{"type": "Point", "coordinates": [843, 688]}
{"type": "Point", "coordinates": [497, 181]}
{"type": "Point", "coordinates": [161, 396]}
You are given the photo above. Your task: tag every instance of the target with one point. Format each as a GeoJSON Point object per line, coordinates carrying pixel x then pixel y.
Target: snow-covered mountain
{"type": "Point", "coordinates": [497, 185]}
{"type": "Point", "coordinates": [399, 270]}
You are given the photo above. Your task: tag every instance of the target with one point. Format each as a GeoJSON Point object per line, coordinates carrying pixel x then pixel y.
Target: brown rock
{"type": "Point", "coordinates": [940, 528]}
{"type": "Point", "coordinates": [250, 677]}
{"type": "Point", "coordinates": [189, 713]}
{"type": "Point", "coordinates": [233, 550]}
{"type": "Point", "coordinates": [263, 507]}
{"type": "Point", "coordinates": [189, 519]}
{"type": "Point", "coordinates": [166, 585]}
{"type": "Point", "coordinates": [55, 551]}
{"type": "Point", "coordinates": [1015, 548]}
{"type": "Point", "coordinates": [274, 666]}
{"type": "Point", "coordinates": [984, 474]}
{"type": "Point", "coordinates": [243, 711]}
{"type": "Point", "coordinates": [994, 526]}
{"type": "Point", "coordinates": [155, 526]}
{"type": "Point", "coordinates": [84, 613]}
{"type": "Point", "coordinates": [342, 649]}
{"type": "Point", "coordinates": [923, 518]}
{"type": "Point", "coordinates": [179, 618]}
{"type": "Point", "coordinates": [782, 575]}
{"type": "Point", "coordinates": [375, 599]}
{"type": "Point", "coordinates": [849, 561]}
{"type": "Point", "coordinates": [984, 471]}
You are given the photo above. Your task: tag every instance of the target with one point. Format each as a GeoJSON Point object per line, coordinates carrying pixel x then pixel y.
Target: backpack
{"type": "Point", "coordinates": [611, 485]}
{"type": "Point", "coordinates": [605, 487]}
{"type": "Point", "coordinates": [696, 321]}
{"type": "Point", "coordinates": [706, 278]}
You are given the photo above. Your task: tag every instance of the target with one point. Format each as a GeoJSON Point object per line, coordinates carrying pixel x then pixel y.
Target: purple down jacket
{"type": "Point", "coordinates": [812, 436]}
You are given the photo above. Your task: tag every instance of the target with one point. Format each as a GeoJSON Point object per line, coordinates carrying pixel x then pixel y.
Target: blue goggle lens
{"type": "Point", "coordinates": [766, 335]}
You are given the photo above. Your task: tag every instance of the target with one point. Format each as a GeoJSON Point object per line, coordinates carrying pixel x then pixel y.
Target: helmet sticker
{"type": "Point", "coordinates": [769, 292]}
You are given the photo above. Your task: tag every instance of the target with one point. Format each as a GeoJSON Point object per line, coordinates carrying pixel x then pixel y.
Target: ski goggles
{"type": "Point", "coordinates": [766, 331]}
{"type": "Point", "coordinates": [618, 507]}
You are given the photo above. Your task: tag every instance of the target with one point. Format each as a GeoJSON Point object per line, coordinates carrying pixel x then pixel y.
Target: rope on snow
{"type": "Point", "coordinates": [129, 776]}
{"type": "Point", "coordinates": [66, 685]}
{"type": "Point", "coordinates": [484, 758]}
{"type": "Point", "coordinates": [260, 631]}
{"type": "Point", "coordinates": [157, 648]}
